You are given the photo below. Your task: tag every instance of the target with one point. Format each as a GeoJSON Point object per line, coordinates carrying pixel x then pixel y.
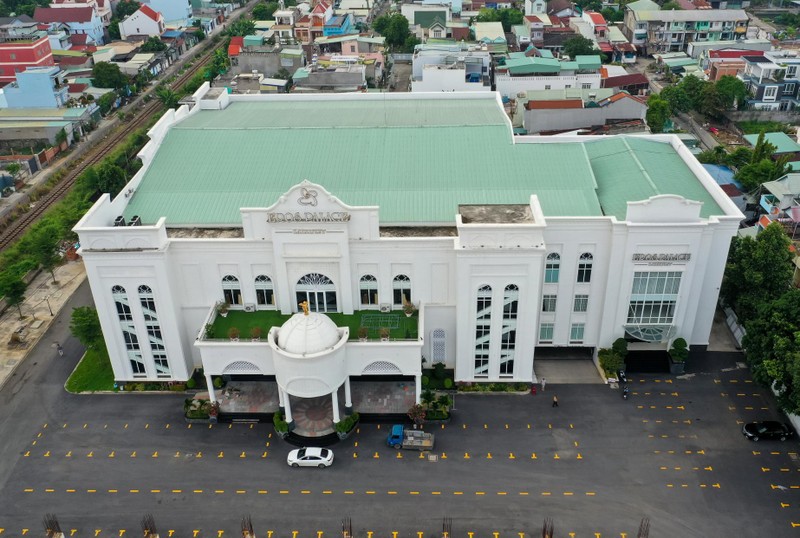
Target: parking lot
{"type": "Point", "coordinates": [596, 465]}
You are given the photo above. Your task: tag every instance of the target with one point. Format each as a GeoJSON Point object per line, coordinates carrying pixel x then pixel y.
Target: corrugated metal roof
{"type": "Point", "coordinates": [410, 157]}
{"type": "Point", "coordinates": [782, 142]}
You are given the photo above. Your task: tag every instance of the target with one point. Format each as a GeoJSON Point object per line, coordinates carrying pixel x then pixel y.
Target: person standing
{"type": "Point", "coordinates": [555, 401]}
{"type": "Point", "coordinates": [544, 382]}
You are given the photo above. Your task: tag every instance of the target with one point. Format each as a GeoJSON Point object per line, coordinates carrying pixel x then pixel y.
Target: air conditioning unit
{"type": "Point", "coordinates": [386, 307]}
{"type": "Point", "coordinates": [120, 221]}
{"type": "Point", "coordinates": [249, 307]}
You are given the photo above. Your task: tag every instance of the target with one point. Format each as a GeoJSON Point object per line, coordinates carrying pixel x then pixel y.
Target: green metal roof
{"type": "Point", "coordinates": [643, 5]}
{"type": "Point", "coordinates": [781, 141]}
{"type": "Point", "coordinates": [214, 162]}
{"type": "Point", "coordinates": [588, 62]}
{"type": "Point", "coordinates": [530, 65]}
{"type": "Point", "coordinates": [426, 19]}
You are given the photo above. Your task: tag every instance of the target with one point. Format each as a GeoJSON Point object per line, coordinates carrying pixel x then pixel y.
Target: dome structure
{"type": "Point", "coordinates": [307, 333]}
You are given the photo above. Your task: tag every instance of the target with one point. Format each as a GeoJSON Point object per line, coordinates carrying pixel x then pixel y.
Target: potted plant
{"type": "Point", "coordinates": [255, 334]}
{"type": "Point", "coordinates": [408, 307]}
{"type": "Point", "coordinates": [362, 333]}
{"type": "Point", "coordinates": [678, 355]}
{"type": "Point", "coordinates": [384, 333]}
{"type": "Point", "coordinates": [346, 426]}
{"type": "Point", "coordinates": [233, 334]}
{"type": "Point", "coordinates": [222, 309]}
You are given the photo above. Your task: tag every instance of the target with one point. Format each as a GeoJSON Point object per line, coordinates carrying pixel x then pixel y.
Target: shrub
{"type": "Point", "coordinates": [191, 383]}
{"type": "Point", "coordinates": [427, 396]}
{"type": "Point", "coordinates": [679, 351]}
{"type": "Point", "coordinates": [425, 381]}
{"type": "Point", "coordinates": [610, 361]}
{"type": "Point", "coordinates": [363, 332]}
{"type": "Point", "coordinates": [448, 383]}
{"type": "Point", "coordinates": [438, 370]}
{"type": "Point", "coordinates": [138, 387]}
{"type": "Point", "coordinates": [196, 408]}
{"type": "Point", "coordinates": [218, 383]}
{"type": "Point", "coordinates": [281, 426]}
{"type": "Point", "coordinates": [178, 387]}
{"type": "Point", "coordinates": [349, 422]}
{"type": "Point", "coordinates": [620, 347]}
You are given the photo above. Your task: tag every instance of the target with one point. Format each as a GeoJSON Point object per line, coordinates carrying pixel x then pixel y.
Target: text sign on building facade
{"type": "Point", "coordinates": [661, 258]}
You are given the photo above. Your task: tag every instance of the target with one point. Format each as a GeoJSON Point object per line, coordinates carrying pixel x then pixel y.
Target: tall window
{"type": "Point", "coordinates": [482, 331]}
{"type": "Point", "coordinates": [231, 290]}
{"type": "Point", "coordinates": [651, 310]}
{"type": "Point", "coordinates": [585, 268]}
{"type": "Point", "coordinates": [548, 303]}
{"type": "Point", "coordinates": [154, 336]}
{"type": "Point", "coordinates": [128, 329]}
{"type": "Point", "coordinates": [368, 287]}
{"type": "Point", "coordinates": [401, 290]}
{"type": "Point", "coordinates": [580, 303]}
{"type": "Point", "coordinates": [551, 267]}
{"type": "Point", "coordinates": [508, 341]}
{"type": "Point", "coordinates": [546, 333]}
{"type": "Point", "coordinates": [265, 293]}
{"type": "Point", "coordinates": [438, 345]}
{"type": "Point", "coordinates": [319, 291]}
{"type": "Point", "coordinates": [576, 333]}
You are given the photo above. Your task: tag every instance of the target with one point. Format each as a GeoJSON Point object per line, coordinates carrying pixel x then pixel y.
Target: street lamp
{"type": "Point", "coordinates": [47, 300]}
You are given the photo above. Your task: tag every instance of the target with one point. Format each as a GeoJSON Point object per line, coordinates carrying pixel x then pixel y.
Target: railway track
{"type": "Point", "coordinates": [94, 155]}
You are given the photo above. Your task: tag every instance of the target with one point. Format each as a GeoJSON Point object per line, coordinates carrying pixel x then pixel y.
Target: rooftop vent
{"type": "Point", "coordinates": [119, 221]}
{"type": "Point", "coordinates": [135, 221]}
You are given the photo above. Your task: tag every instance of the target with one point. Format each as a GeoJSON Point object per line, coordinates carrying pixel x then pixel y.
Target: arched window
{"type": "Point", "coordinates": [129, 335]}
{"type": "Point", "coordinates": [154, 336]}
{"type": "Point", "coordinates": [483, 327]}
{"type": "Point", "coordinates": [120, 297]}
{"type": "Point", "coordinates": [401, 290]}
{"type": "Point", "coordinates": [508, 341]}
{"type": "Point", "coordinates": [231, 290]}
{"type": "Point", "coordinates": [368, 288]}
{"type": "Point", "coordinates": [319, 291]}
{"type": "Point", "coordinates": [265, 293]}
{"type": "Point", "coordinates": [551, 267]}
{"type": "Point", "coordinates": [585, 268]}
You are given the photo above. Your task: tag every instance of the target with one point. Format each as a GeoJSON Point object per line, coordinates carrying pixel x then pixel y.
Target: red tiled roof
{"type": "Point", "coordinates": [147, 10]}
{"type": "Point", "coordinates": [78, 39]}
{"type": "Point", "coordinates": [63, 14]}
{"type": "Point", "coordinates": [533, 18]}
{"type": "Point", "coordinates": [305, 19]}
{"type": "Point", "coordinates": [235, 46]}
{"type": "Point", "coordinates": [71, 60]}
{"type": "Point", "coordinates": [731, 190]}
{"type": "Point", "coordinates": [624, 47]}
{"type": "Point", "coordinates": [597, 18]}
{"type": "Point", "coordinates": [728, 53]}
{"type": "Point", "coordinates": [605, 47]}
{"type": "Point", "coordinates": [77, 88]}
{"type": "Point", "coordinates": [554, 103]}
{"type": "Point", "coordinates": [624, 80]}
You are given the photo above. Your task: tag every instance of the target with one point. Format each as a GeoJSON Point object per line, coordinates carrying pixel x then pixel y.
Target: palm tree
{"type": "Point", "coordinates": [167, 97]}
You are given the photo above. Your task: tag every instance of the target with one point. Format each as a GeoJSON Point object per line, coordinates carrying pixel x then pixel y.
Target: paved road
{"type": "Point", "coordinates": [596, 464]}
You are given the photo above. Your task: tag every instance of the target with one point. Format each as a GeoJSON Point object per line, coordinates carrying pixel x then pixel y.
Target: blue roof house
{"type": "Point", "coordinates": [36, 87]}
{"type": "Point", "coordinates": [338, 25]}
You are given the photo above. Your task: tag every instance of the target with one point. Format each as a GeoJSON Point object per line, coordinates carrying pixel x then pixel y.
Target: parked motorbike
{"type": "Point", "coordinates": [622, 377]}
{"type": "Point", "coordinates": [625, 393]}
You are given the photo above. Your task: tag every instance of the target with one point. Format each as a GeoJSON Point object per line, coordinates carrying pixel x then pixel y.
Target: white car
{"type": "Point", "coordinates": [310, 457]}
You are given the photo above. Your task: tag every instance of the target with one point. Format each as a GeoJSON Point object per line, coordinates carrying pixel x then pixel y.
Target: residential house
{"type": "Point", "coordinates": [175, 12]}
{"type": "Point", "coordinates": [36, 87]}
{"type": "Point", "coordinates": [784, 145]}
{"type": "Point", "coordinates": [554, 39]}
{"type": "Point", "coordinates": [772, 79]}
{"type": "Point", "coordinates": [622, 50]}
{"type": "Point", "coordinates": [337, 78]}
{"type": "Point", "coordinates": [552, 111]}
{"type": "Point", "coordinates": [101, 7]}
{"type": "Point", "coordinates": [780, 202]}
{"type": "Point", "coordinates": [359, 10]}
{"type": "Point", "coordinates": [491, 35]}
{"type": "Point", "coordinates": [700, 49]}
{"type": "Point", "coordinates": [724, 62]}
{"type": "Point", "coordinates": [338, 25]}
{"type": "Point", "coordinates": [21, 128]}
{"type": "Point", "coordinates": [427, 20]}
{"type": "Point", "coordinates": [22, 46]}
{"type": "Point", "coordinates": [267, 59]}
{"type": "Point", "coordinates": [373, 63]}
{"type": "Point", "coordinates": [144, 21]}
{"type": "Point", "coordinates": [524, 73]}
{"type": "Point", "coordinates": [309, 26]}
{"type": "Point", "coordinates": [599, 28]}
{"type": "Point", "coordinates": [458, 30]}
{"type": "Point", "coordinates": [450, 68]}
{"type": "Point", "coordinates": [653, 30]}
{"type": "Point", "coordinates": [73, 60]}
{"type": "Point", "coordinates": [78, 20]}
{"type": "Point", "coordinates": [634, 83]}
{"type": "Point", "coordinates": [453, 6]}
{"type": "Point", "coordinates": [351, 44]}
{"type": "Point", "coordinates": [562, 9]}
{"type": "Point", "coordinates": [535, 7]}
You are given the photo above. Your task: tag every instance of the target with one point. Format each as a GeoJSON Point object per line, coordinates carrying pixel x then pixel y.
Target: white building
{"type": "Point", "coordinates": [144, 21]}
{"type": "Point", "coordinates": [448, 68]}
{"type": "Point", "coordinates": [523, 73]}
{"type": "Point", "coordinates": [509, 251]}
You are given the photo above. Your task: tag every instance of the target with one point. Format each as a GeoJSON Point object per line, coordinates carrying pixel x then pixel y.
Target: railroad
{"type": "Point", "coordinates": [93, 156]}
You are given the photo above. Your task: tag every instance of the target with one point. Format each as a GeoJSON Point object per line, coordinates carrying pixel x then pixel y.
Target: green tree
{"type": "Point", "coordinates": [713, 156]}
{"type": "Point", "coordinates": [658, 112]}
{"type": "Point", "coordinates": [282, 74]}
{"type": "Point", "coordinates": [508, 17]}
{"type": "Point", "coordinates": [773, 348]}
{"type": "Point", "coordinates": [732, 91]}
{"type": "Point", "coordinates": [677, 98]}
{"type": "Point", "coordinates": [739, 157]}
{"type": "Point", "coordinates": [167, 97]}
{"type": "Point", "coordinates": [44, 245]}
{"type": "Point", "coordinates": [762, 149]}
{"type": "Point", "coordinates": [153, 44]}
{"type": "Point", "coordinates": [579, 46]}
{"type": "Point", "coordinates": [693, 87]}
{"type": "Point", "coordinates": [108, 75]}
{"type": "Point", "coordinates": [263, 11]}
{"type": "Point", "coordinates": [670, 5]}
{"type": "Point", "coordinates": [106, 177]}
{"type": "Point", "coordinates": [126, 8]}
{"type": "Point", "coordinates": [756, 173]}
{"type": "Point", "coordinates": [241, 27]}
{"type": "Point", "coordinates": [61, 137]}
{"type": "Point", "coordinates": [757, 270]}
{"type": "Point", "coordinates": [85, 326]}
{"type": "Point", "coordinates": [13, 289]}
{"type": "Point", "coordinates": [106, 101]}
{"type": "Point", "coordinates": [113, 29]}
{"type": "Point", "coordinates": [394, 27]}
{"type": "Point", "coordinates": [199, 35]}
{"type": "Point", "coordinates": [711, 103]}
{"type": "Point", "coordinates": [13, 169]}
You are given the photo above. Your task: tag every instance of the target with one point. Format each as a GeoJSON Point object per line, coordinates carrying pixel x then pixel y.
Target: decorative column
{"type": "Point", "coordinates": [335, 402]}
{"type": "Point", "coordinates": [281, 399]}
{"type": "Point", "coordinates": [418, 383]}
{"type": "Point", "coordinates": [348, 400]}
{"type": "Point", "coordinates": [210, 383]}
{"type": "Point", "coordinates": [288, 411]}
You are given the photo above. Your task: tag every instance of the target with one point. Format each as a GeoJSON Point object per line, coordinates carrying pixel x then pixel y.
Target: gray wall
{"type": "Point", "coordinates": [266, 63]}
{"type": "Point", "coordinates": [536, 121]}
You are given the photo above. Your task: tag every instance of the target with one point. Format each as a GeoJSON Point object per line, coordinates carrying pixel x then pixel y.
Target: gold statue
{"type": "Point", "coordinates": [304, 306]}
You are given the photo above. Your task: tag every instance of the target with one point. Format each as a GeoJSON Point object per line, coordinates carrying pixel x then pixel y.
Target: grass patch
{"type": "Point", "coordinates": [400, 327]}
{"type": "Point", "coordinates": [94, 372]}
{"type": "Point", "coordinates": [756, 127]}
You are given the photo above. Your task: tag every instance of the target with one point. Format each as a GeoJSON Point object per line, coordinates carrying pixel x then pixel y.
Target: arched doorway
{"type": "Point", "coordinates": [319, 291]}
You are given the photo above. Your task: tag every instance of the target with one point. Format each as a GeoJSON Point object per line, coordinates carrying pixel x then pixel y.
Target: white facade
{"type": "Point", "coordinates": [502, 285]}
{"type": "Point", "coordinates": [141, 23]}
{"type": "Point", "coordinates": [509, 86]}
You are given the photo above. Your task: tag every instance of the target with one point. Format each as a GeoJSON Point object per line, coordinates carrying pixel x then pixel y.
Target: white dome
{"type": "Point", "coordinates": [306, 334]}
